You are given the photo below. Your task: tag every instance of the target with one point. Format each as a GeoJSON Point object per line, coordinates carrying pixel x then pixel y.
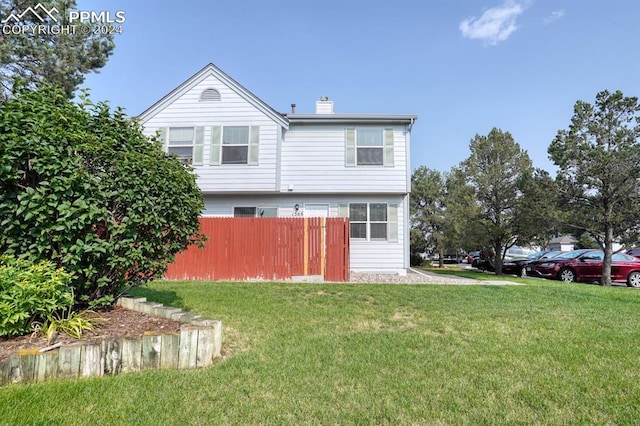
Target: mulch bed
{"type": "Point", "coordinates": [115, 322]}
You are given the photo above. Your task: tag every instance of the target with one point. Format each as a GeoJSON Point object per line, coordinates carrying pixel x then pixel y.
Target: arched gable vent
{"type": "Point", "coordinates": [210, 95]}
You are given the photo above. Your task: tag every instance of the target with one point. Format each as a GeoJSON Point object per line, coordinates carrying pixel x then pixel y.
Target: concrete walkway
{"type": "Point", "coordinates": [423, 277]}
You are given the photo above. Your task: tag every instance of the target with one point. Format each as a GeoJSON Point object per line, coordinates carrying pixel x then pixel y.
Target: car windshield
{"type": "Point", "coordinates": [543, 255]}
{"type": "Point", "coordinates": [571, 254]}
{"type": "Point", "coordinates": [551, 254]}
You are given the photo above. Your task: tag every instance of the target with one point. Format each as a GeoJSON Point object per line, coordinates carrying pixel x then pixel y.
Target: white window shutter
{"type": "Point", "coordinates": [350, 147]}
{"type": "Point", "coordinates": [343, 210]}
{"type": "Point", "coordinates": [216, 142]}
{"type": "Point", "coordinates": [254, 146]}
{"type": "Point", "coordinates": [163, 137]}
{"type": "Point", "coordinates": [198, 146]}
{"type": "Point", "coordinates": [392, 222]}
{"type": "Point", "coordinates": [388, 148]}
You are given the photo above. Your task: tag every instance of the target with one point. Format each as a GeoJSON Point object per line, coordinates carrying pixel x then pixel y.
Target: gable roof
{"type": "Point", "coordinates": [212, 70]}
{"type": "Point", "coordinates": [563, 239]}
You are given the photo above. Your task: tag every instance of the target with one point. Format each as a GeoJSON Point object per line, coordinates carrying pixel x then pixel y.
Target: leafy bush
{"type": "Point", "coordinates": [82, 186]}
{"type": "Point", "coordinates": [31, 292]}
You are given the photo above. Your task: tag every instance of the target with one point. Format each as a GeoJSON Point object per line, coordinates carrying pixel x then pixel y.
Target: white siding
{"type": "Point", "coordinates": [313, 160]}
{"type": "Point", "coordinates": [302, 165]}
{"type": "Point", "coordinates": [231, 110]}
{"type": "Point", "coordinates": [366, 256]}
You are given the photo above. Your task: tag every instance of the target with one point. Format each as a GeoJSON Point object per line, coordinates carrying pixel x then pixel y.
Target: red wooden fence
{"type": "Point", "coordinates": [267, 248]}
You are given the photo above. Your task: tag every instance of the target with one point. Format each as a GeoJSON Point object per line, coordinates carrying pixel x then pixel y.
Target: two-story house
{"type": "Point", "coordinates": [254, 161]}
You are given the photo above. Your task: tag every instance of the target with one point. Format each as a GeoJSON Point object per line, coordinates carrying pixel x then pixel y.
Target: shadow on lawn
{"type": "Point", "coordinates": [166, 297]}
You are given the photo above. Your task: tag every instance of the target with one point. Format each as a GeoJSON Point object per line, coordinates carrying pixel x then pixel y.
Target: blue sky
{"type": "Point", "coordinates": [462, 66]}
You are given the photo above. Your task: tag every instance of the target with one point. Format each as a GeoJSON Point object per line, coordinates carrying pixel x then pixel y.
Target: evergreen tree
{"type": "Point", "coordinates": [31, 58]}
{"type": "Point", "coordinates": [497, 170]}
{"type": "Point", "coordinates": [599, 171]}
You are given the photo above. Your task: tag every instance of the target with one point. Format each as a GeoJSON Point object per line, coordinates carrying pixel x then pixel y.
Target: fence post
{"type": "Point", "coordinates": [323, 242]}
{"type": "Point", "coordinates": [306, 247]}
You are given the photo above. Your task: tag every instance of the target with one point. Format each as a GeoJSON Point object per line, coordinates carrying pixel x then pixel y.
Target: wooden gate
{"type": "Point", "coordinates": [266, 248]}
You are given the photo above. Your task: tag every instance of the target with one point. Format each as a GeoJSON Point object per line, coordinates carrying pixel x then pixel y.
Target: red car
{"type": "Point", "coordinates": [586, 265]}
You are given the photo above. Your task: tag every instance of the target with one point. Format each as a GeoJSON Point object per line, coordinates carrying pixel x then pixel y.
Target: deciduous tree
{"type": "Point", "coordinates": [80, 185]}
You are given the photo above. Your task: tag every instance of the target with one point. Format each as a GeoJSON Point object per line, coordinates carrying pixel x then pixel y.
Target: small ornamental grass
{"type": "Point", "coordinates": [71, 323]}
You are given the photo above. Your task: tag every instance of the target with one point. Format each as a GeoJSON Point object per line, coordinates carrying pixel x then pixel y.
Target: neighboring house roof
{"type": "Point", "coordinates": [564, 239]}
{"type": "Point", "coordinates": [350, 118]}
{"type": "Point", "coordinates": [208, 70]}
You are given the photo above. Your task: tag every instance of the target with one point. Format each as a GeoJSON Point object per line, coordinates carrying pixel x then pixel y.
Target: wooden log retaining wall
{"type": "Point", "coordinates": [197, 344]}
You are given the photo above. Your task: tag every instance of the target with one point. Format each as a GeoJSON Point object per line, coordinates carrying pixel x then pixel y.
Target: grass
{"type": "Point", "coordinates": [541, 353]}
{"type": "Point", "coordinates": [477, 274]}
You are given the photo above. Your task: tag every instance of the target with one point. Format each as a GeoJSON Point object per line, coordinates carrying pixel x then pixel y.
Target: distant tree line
{"type": "Point", "coordinates": [496, 198]}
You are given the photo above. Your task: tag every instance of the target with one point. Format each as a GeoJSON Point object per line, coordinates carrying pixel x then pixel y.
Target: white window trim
{"type": "Point", "coordinates": [352, 147]}
{"type": "Point", "coordinates": [326, 207]}
{"type": "Point", "coordinates": [253, 145]}
{"type": "Point", "coordinates": [392, 221]}
{"type": "Point", "coordinates": [196, 144]}
{"type": "Point", "coordinates": [257, 210]}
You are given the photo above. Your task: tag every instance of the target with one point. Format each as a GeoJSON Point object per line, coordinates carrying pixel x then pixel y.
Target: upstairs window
{"type": "Point", "coordinates": [235, 145]}
{"type": "Point", "coordinates": [185, 142]}
{"type": "Point", "coordinates": [369, 146]}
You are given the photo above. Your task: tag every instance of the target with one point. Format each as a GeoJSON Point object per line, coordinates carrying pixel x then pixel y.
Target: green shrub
{"type": "Point", "coordinates": [31, 292]}
{"type": "Point", "coordinates": [82, 186]}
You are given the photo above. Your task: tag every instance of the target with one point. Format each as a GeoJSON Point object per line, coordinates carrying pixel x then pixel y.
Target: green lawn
{"type": "Point", "coordinates": [540, 353]}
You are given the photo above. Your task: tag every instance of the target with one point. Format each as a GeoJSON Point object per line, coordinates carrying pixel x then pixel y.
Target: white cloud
{"type": "Point", "coordinates": [495, 24]}
{"type": "Point", "coordinates": [555, 15]}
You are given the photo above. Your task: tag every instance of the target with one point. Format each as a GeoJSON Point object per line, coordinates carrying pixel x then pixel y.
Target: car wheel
{"type": "Point", "coordinates": [523, 271]}
{"type": "Point", "coordinates": [567, 275]}
{"type": "Point", "coordinates": [633, 280]}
